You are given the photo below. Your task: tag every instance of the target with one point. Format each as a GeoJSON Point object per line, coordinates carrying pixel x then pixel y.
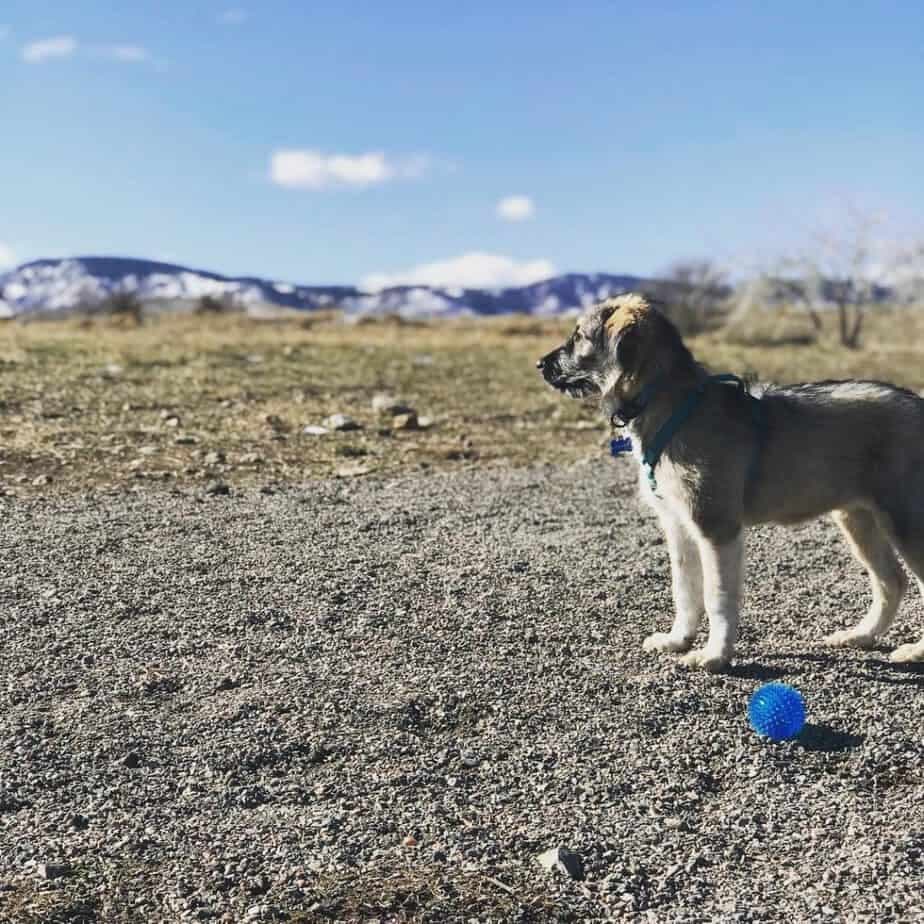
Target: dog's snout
{"type": "Point", "coordinates": [547, 364]}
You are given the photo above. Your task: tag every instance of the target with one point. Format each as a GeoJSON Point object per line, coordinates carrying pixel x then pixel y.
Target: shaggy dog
{"type": "Point", "coordinates": [715, 458]}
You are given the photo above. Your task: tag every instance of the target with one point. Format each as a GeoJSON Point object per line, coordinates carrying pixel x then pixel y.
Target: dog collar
{"type": "Point", "coordinates": [636, 406]}
{"type": "Point", "coordinates": [682, 414]}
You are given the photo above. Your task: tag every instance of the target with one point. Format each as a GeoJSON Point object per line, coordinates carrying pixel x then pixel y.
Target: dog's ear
{"type": "Point", "coordinates": [628, 346]}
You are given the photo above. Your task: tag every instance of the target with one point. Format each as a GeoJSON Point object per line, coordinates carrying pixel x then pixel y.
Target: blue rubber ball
{"type": "Point", "coordinates": [777, 710]}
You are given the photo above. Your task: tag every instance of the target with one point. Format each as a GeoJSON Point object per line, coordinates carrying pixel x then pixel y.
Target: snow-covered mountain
{"type": "Point", "coordinates": [84, 282]}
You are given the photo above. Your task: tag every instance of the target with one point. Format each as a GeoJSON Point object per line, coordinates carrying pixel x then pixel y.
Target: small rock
{"type": "Point", "coordinates": [252, 458]}
{"type": "Point", "coordinates": [131, 760]}
{"type": "Point", "coordinates": [111, 371]}
{"type": "Point", "coordinates": [388, 405]}
{"type": "Point", "coordinates": [217, 489]}
{"type": "Point", "coordinates": [424, 423]}
{"type": "Point", "coordinates": [54, 870]}
{"type": "Point", "coordinates": [405, 421]}
{"type": "Point", "coordinates": [275, 422]}
{"type": "Point", "coordinates": [470, 760]}
{"type": "Point", "coordinates": [352, 470]}
{"type": "Point", "coordinates": [41, 481]}
{"type": "Point", "coordinates": [563, 861]}
{"type": "Point", "coordinates": [228, 683]}
{"type": "Point", "coordinates": [409, 841]}
{"type": "Point", "coordinates": [80, 822]}
{"type": "Point", "coordinates": [256, 912]}
{"type": "Point", "coordinates": [315, 431]}
{"type": "Point", "coordinates": [185, 439]}
{"type": "Point", "coordinates": [172, 422]}
{"type": "Point", "coordinates": [215, 457]}
{"type": "Point", "coordinates": [340, 422]}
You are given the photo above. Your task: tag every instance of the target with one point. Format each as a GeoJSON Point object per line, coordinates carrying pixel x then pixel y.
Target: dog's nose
{"type": "Point", "coordinates": [540, 363]}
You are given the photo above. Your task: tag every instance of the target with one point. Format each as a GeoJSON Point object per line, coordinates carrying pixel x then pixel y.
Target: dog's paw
{"type": "Point", "coordinates": [704, 659]}
{"type": "Point", "coordinates": [850, 638]}
{"type": "Point", "coordinates": [665, 642]}
{"type": "Point", "coordinates": [904, 654]}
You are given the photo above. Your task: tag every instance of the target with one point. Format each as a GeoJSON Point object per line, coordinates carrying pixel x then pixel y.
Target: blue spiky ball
{"type": "Point", "coordinates": [777, 710]}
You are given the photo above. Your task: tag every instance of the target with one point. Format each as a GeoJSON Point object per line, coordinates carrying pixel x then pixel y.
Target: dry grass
{"type": "Point", "coordinates": [106, 404]}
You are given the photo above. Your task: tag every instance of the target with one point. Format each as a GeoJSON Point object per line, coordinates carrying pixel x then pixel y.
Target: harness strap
{"type": "Point", "coordinates": [682, 414]}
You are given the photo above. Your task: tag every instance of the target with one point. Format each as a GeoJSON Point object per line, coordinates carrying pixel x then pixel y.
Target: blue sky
{"type": "Point", "coordinates": [338, 142]}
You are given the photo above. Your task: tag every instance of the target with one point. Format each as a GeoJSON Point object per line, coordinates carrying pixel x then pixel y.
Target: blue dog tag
{"type": "Point", "coordinates": [620, 445]}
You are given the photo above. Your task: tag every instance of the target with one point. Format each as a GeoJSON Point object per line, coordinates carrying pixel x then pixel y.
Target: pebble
{"type": "Point", "coordinates": [340, 422]}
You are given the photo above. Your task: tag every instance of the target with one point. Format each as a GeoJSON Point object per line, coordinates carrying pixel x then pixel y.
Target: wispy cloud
{"type": "Point", "coordinates": [232, 17]}
{"type": "Point", "coordinates": [295, 168]}
{"type": "Point", "coordinates": [7, 256]}
{"type": "Point", "coordinates": [473, 270]}
{"type": "Point", "coordinates": [130, 54]}
{"type": "Point", "coordinates": [515, 208]}
{"type": "Point", "coordinates": [58, 46]}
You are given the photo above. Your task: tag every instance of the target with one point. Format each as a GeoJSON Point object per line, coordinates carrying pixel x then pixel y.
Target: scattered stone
{"type": "Point", "coordinates": [215, 457]}
{"type": "Point", "coordinates": [352, 470]}
{"type": "Point", "coordinates": [228, 683]}
{"type": "Point", "coordinates": [424, 423]}
{"type": "Point", "coordinates": [256, 912]}
{"type": "Point", "coordinates": [41, 481]}
{"type": "Point", "coordinates": [217, 489]}
{"type": "Point", "coordinates": [275, 422]}
{"type": "Point", "coordinates": [252, 458]}
{"type": "Point", "coordinates": [315, 431]}
{"type": "Point", "coordinates": [560, 860]}
{"type": "Point", "coordinates": [111, 371]}
{"type": "Point", "coordinates": [185, 439]}
{"type": "Point", "coordinates": [147, 450]}
{"type": "Point", "coordinates": [387, 405]}
{"type": "Point", "coordinates": [172, 422]}
{"type": "Point", "coordinates": [409, 841]}
{"type": "Point", "coordinates": [405, 421]}
{"type": "Point", "coordinates": [54, 870]}
{"type": "Point", "coordinates": [340, 422]}
{"type": "Point", "coordinates": [423, 359]}
{"type": "Point", "coordinates": [132, 760]}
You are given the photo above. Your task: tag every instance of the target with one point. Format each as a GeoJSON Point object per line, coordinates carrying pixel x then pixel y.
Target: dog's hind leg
{"type": "Point", "coordinates": [906, 524]}
{"type": "Point", "coordinates": [872, 548]}
{"type": "Point", "coordinates": [723, 570]}
{"type": "Point", "coordinates": [687, 588]}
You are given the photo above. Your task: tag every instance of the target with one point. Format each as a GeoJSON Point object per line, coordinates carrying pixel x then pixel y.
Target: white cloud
{"type": "Point", "coordinates": [233, 17]}
{"type": "Point", "coordinates": [515, 208]}
{"type": "Point", "coordinates": [309, 169]}
{"type": "Point", "coordinates": [130, 54]}
{"type": "Point", "coordinates": [7, 257]}
{"type": "Point", "coordinates": [469, 271]}
{"type": "Point", "coordinates": [59, 46]}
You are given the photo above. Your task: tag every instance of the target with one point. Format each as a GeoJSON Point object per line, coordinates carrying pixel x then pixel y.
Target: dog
{"type": "Point", "coordinates": [716, 457]}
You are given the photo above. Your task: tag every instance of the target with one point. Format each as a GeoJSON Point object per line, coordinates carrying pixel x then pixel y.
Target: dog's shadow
{"type": "Point", "coordinates": [827, 739]}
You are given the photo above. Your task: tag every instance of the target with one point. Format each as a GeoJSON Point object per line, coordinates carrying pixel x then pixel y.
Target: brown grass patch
{"type": "Point", "coordinates": [185, 400]}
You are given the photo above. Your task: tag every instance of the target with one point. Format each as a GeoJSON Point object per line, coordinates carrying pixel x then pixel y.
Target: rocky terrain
{"type": "Point", "coordinates": [354, 700]}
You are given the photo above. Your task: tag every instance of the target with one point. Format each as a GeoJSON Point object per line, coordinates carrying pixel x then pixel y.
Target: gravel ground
{"type": "Point", "coordinates": [382, 700]}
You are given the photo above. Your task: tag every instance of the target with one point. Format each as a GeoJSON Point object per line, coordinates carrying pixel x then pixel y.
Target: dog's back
{"type": "Point", "coordinates": [834, 445]}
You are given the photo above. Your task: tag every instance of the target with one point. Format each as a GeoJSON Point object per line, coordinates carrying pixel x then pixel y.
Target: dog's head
{"type": "Point", "coordinates": [617, 346]}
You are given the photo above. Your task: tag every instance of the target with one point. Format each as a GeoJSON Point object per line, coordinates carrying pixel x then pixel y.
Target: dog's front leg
{"type": "Point", "coordinates": [723, 566]}
{"type": "Point", "coordinates": [687, 588]}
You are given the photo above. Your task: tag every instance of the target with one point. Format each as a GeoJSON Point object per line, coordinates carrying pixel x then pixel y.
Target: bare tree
{"type": "Point", "coordinates": [212, 304]}
{"type": "Point", "coordinates": [695, 289]}
{"type": "Point", "coordinates": [846, 271]}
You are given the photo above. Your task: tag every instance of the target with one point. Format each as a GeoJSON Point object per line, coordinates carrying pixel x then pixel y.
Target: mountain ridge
{"type": "Point", "coordinates": [61, 286]}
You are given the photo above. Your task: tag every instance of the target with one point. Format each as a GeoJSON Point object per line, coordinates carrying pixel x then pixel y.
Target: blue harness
{"type": "Point", "coordinates": [681, 415]}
